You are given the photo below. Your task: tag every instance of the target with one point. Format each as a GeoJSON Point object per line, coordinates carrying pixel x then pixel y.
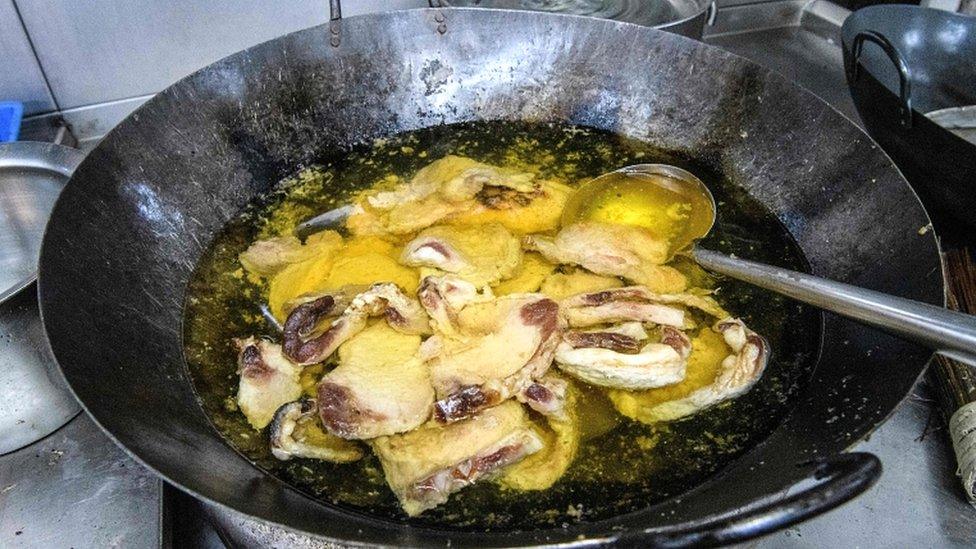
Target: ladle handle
{"type": "Point", "coordinates": [949, 333]}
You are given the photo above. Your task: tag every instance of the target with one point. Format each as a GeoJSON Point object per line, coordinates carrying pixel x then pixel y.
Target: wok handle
{"type": "Point", "coordinates": [710, 13]}
{"type": "Point", "coordinates": [949, 333]}
{"type": "Point", "coordinates": [335, 20]}
{"type": "Point", "coordinates": [837, 480]}
{"type": "Point", "coordinates": [904, 74]}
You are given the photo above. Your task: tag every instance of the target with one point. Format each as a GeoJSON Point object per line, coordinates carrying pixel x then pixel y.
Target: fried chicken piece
{"type": "Point", "coordinates": [560, 286]}
{"type": "Point", "coordinates": [529, 276]}
{"type": "Point", "coordinates": [443, 297]}
{"type": "Point", "coordinates": [497, 348]}
{"type": "Point", "coordinates": [540, 214]}
{"type": "Point", "coordinates": [360, 261]}
{"type": "Point", "coordinates": [447, 186]}
{"type": "Point", "coordinates": [615, 250]}
{"type": "Point", "coordinates": [725, 363]}
{"type": "Point", "coordinates": [266, 258]}
{"type": "Point", "coordinates": [267, 381]}
{"type": "Point", "coordinates": [547, 395]}
{"type": "Point", "coordinates": [615, 358]}
{"type": "Point", "coordinates": [635, 303]}
{"type": "Point", "coordinates": [425, 466]}
{"type": "Point", "coordinates": [560, 435]}
{"type": "Point", "coordinates": [380, 386]}
{"type": "Point", "coordinates": [481, 255]}
{"type": "Point", "coordinates": [296, 432]}
{"type": "Point", "coordinates": [306, 343]}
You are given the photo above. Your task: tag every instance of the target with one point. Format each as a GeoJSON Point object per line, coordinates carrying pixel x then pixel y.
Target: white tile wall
{"type": "Point", "coordinates": [94, 51]}
{"type": "Point", "coordinates": [21, 78]}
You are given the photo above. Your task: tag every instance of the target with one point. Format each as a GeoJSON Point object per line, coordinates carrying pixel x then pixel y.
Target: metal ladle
{"type": "Point", "coordinates": [947, 332]}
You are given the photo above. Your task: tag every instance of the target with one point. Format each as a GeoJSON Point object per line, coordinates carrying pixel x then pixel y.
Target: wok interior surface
{"type": "Point", "coordinates": [142, 209]}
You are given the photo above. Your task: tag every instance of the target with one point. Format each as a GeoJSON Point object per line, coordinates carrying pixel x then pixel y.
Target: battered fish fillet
{"type": "Point", "coordinates": [615, 250]}
{"type": "Point", "coordinates": [424, 467]}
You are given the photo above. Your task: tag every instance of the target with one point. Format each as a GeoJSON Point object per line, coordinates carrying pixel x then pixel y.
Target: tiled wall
{"type": "Point", "coordinates": [21, 78]}
{"type": "Point", "coordinates": [98, 51]}
{"type": "Point", "coordinates": [94, 61]}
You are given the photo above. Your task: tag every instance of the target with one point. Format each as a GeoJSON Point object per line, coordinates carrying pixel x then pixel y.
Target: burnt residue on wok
{"type": "Point", "coordinates": [628, 468]}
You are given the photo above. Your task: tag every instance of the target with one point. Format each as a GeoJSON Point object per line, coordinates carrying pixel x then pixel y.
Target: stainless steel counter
{"type": "Point", "coordinates": [77, 489]}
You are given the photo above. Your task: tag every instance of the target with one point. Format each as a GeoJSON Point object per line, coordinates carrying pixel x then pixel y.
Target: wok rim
{"type": "Point", "coordinates": [700, 5]}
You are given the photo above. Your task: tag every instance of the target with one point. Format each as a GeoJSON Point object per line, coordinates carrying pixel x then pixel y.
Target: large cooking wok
{"type": "Point", "coordinates": [904, 63]}
{"type": "Point", "coordinates": [141, 209]}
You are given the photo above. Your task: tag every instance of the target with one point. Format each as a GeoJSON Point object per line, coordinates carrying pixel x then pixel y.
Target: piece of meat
{"type": "Point", "coordinates": [530, 212]}
{"type": "Point", "coordinates": [547, 396]}
{"type": "Point", "coordinates": [481, 255]}
{"type": "Point", "coordinates": [605, 365]}
{"type": "Point", "coordinates": [619, 305]}
{"type": "Point", "coordinates": [268, 257]}
{"type": "Point", "coordinates": [447, 186]}
{"type": "Point", "coordinates": [740, 371]}
{"type": "Point", "coordinates": [380, 386]}
{"type": "Point", "coordinates": [618, 343]}
{"type": "Point", "coordinates": [635, 303]}
{"type": "Point", "coordinates": [499, 348]}
{"type": "Point", "coordinates": [559, 286]}
{"type": "Point", "coordinates": [615, 250]}
{"type": "Point", "coordinates": [404, 314]}
{"type": "Point", "coordinates": [306, 343]}
{"type": "Point", "coordinates": [737, 373]}
{"type": "Point", "coordinates": [304, 339]}
{"type": "Point", "coordinates": [267, 380]}
{"type": "Point", "coordinates": [296, 432]}
{"type": "Point", "coordinates": [360, 261]}
{"type": "Point", "coordinates": [443, 297]}
{"type": "Point", "coordinates": [560, 433]}
{"type": "Point", "coordinates": [425, 466]}
{"type": "Point", "coordinates": [528, 277]}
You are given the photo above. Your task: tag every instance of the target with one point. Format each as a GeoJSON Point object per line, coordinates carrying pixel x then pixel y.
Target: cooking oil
{"type": "Point", "coordinates": [667, 207]}
{"type": "Point", "coordinates": [622, 465]}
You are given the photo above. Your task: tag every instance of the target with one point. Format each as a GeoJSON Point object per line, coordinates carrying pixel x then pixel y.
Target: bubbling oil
{"type": "Point", "coordinates": [622, 465]}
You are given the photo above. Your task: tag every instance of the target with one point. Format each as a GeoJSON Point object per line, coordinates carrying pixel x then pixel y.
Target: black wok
{"type": "Point", "coordinates": [139, 212]}
{"type": "Point", "coordinates": [903, 62]}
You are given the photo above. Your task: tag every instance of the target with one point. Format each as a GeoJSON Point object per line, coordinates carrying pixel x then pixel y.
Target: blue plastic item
{"type": "Point", "coordinates": [10, 114]}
